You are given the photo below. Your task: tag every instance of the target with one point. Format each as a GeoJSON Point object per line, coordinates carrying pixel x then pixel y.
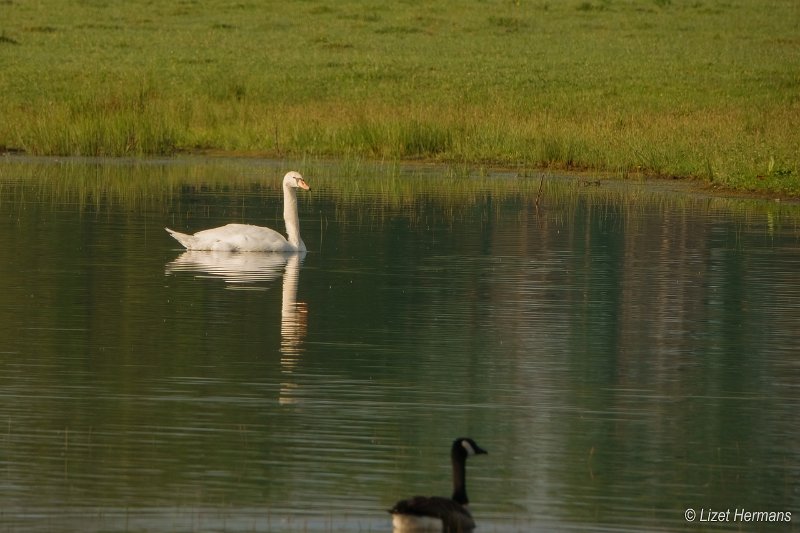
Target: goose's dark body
{"type": "Point", "coordinates": [423, 513]}
{"type": "Point", "coordinates": [449, 515]}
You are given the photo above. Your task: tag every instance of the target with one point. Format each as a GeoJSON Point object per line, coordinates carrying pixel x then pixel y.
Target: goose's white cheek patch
{"type": "Point", "coordinates": [467, 446]}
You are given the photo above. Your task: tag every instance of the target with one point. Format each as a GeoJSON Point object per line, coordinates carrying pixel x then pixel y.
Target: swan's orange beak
{"type": "Point", "coordinates": [303, 185]}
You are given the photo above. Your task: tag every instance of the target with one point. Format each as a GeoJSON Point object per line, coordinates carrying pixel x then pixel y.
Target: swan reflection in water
{"type": "Point", "coordinates": [243, 270]}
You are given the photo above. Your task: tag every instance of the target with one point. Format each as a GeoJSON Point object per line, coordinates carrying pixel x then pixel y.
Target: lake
{"type": "Point", "coordinates": [625, 352]}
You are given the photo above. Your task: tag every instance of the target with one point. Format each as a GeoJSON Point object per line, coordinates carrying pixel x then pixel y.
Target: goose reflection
{"type": "Point", "coordinates": [249, 271]}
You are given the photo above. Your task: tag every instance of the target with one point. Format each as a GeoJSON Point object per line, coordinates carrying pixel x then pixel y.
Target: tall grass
{"type": "Point", "coordinates": [701, 89]}
{"type": "Point", "coordinates": [105, 124]}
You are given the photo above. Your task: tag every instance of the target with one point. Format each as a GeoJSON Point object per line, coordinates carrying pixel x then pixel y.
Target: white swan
{"type": "Point", "coordinates": [248, 238]}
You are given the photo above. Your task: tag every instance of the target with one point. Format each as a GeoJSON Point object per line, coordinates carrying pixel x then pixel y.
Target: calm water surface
{"type": "Point", "coordinates": [623, 354]}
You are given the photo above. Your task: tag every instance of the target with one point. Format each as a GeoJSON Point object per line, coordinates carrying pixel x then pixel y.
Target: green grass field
{"type": "Point", "coordinates": [706, 89]}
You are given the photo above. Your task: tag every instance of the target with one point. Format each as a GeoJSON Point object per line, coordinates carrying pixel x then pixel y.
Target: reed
{"type": "Point", "coordinates": [699, 89]}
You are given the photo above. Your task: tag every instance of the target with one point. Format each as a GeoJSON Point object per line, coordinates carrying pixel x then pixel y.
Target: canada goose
{"type": "Point", "coordinates": [449, 515]}
{"type": "Point", "coordinates": [247, 238]}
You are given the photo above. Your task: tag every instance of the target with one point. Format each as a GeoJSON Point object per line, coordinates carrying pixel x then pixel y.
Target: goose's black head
{"type": "Point", "coordinates": [464, 447]}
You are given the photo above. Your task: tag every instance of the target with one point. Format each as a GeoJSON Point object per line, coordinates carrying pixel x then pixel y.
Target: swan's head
{"type": "Point", "coordinates": [464, 447]}
{"type": "Point", "coordinates": [295, 180]}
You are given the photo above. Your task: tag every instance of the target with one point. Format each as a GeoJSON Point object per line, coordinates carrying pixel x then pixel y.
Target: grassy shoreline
{"type": "Point", "coordinates": [703, 89]}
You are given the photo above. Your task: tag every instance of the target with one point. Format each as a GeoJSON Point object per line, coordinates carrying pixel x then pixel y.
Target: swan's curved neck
{"type": "Point", "coordinates": [459, 479]}
{"type": "Point", "coordinates": [291, 219]}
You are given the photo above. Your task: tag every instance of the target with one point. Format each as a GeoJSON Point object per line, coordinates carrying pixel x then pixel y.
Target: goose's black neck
{"type": "Point", "coordinates": [458, 457]}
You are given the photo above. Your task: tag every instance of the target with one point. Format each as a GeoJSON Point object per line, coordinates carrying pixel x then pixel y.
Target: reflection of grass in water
{"type": "Point", "coordinates": [360, 188]}
{"type": "Point", "coordinates": [133, 184]}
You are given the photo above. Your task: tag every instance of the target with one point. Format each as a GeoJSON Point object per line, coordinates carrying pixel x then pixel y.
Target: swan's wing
{"type": "Point", "coordinates": [240, 238]}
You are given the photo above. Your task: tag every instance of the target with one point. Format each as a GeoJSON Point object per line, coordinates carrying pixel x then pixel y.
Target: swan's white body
{"type": "Point", "coordinates": [249, 238]}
